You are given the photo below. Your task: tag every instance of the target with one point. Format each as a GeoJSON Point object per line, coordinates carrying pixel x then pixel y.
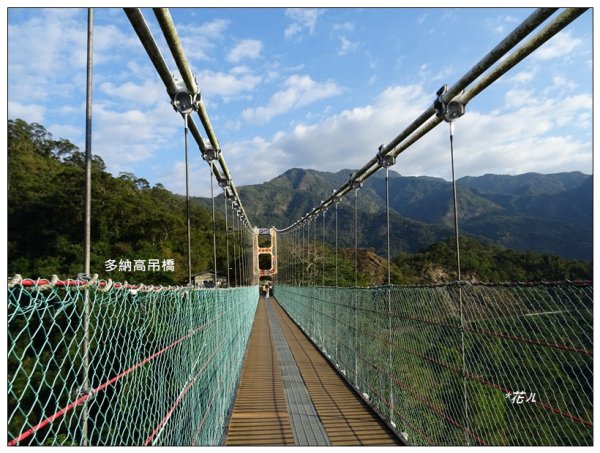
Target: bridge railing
{"type": "Point", "coordinates": [163, 363]}
{"type": "Point", "coordinates": [518, 371]}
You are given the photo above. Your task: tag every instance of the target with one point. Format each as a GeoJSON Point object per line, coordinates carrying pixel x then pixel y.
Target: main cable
{"type": "Point", "coordinates": [187, 201]}
{"type": "Point", "coordinates": [227, 239]}
{"type": "Point", "coordinates": [214, 222]}
{"type": "Point", "coordinates": [459, 282]}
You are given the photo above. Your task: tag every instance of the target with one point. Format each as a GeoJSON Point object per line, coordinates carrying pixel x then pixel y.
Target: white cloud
{"type": "Point", "coordinates": [199, 177]}
{"type": "Point", "coordinates": [72, 133]}
{"type": "Point", "coordinates": [215, 28]}
{"type": "Point", "coordinates": [523, 76]}
{"type": "Point", "coordinates": [519, 98]}
{"type": "Point", "coordinates": [351, 137]}
{"type": "Point", "coordinates": [198, 40]}
{"type": "Point", "coordinates": [106, 39]}
{"type": "Point", "coordinates": [43, 51]}
{"type": "Point", "coordinates": [421, 19]}
{"type": "Point", "coordinates": [249, 48]}
{"type": "Point", "coordinates": [563, 83]}
{"type": "Point", "coordinates": [347, 46]}
{"type": "Point", "coordinates": [523, 139]}
{"type": "Point", "coordinates": [345, 26]}
{"type": "Point", "coordinates": [302, 19]}
{"type": "Point", "coordinates": [444, 73]}
{"type": "Point", "coordinates": [32, 113]}
{"type": "Point", "coordinates": [148, 93]}
{"type": "Point", "coordinates": [499, 25]}
{"type": "Point", "coordinates": [298, 91]}
{"type": "Point", "coordinates": [124, 137]}
{"type": "Point", "coordinates": [227, 84]}
{"type": "Point", "coordinates": [563, 44]}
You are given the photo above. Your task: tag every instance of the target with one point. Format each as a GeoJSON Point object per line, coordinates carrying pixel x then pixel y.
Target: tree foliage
{"type": "Point", "coordinates": [133, 220]}
{"type": "Point", "coordinates": [130, 218]}
{"type": "Point", "coordinates": [486, 263]}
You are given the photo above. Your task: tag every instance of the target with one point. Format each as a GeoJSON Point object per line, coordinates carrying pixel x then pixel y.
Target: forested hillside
{"type": "Point", "coordinates": [130, 218]}
{"type": "Point", "coordinates": [133, 220]}
{"type": "Point", "coordinates": [551, 214]}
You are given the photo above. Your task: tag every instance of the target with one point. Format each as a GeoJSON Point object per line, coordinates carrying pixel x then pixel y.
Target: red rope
{"type": "Point", "coordinates": [537, 403]}
{"type": "Point", "coordinates": [183, 393]}
{"type": "Point", "coordinates": [30, 282]}
{"type": "Point", "coordinates": [427, 402]}
{"type": "Point", "coordinates": [501, 335]}
{"type": "Point", "coordinates": [528, 340]}
{"type": "Point", "coordinates": [423, 436]}
{"type": "Point", "coordinates": [79, 401]}
{"type": "Point", "coordinates": [206, 412]}
{"type": "Point", "coordinates": [480, 379]}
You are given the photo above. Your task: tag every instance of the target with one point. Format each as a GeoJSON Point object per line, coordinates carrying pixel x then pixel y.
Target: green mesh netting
{"type": "Point", "coordinates": [525, 377]}
{"type": "Point", "coordinates": [163, 364]}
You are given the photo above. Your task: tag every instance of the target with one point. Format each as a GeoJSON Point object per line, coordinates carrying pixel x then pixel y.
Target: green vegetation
{"type": "Point", "coordinates": [487, 263]}
{"type": "Point", "coordinates": [535, 339]}
{"type": "Point", "coordinates": [46, 355]}
{"type": "Point", "coordinates": [549, 214]}
{"type": "Point", "coordinates": [130, 219]}
{"type": "Point", "coordinates": [480, 262]}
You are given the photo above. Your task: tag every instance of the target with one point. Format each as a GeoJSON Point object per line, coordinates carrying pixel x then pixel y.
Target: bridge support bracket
{"type": "Point", "coordinates": [451, 110]}
{"type": "Point", "coordinates": [385, 160]}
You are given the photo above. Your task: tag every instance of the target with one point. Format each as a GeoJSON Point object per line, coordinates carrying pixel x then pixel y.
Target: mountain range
{"type": "Point", "coordinates": [551, 214]}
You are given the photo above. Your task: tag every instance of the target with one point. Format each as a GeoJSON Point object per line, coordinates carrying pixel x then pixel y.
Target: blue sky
{"type": "Point", "coordinates": [312, 87]}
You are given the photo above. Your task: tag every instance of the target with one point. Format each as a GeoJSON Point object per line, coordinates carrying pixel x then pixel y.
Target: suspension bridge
{"type": "Point", "coordinates": [94, 362]}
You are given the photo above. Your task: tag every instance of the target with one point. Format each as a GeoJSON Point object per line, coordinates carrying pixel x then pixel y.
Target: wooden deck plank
{"type": "Point", "coordinates": [343, 414]}
{"type": "Point", "coordinates": [260, 414]}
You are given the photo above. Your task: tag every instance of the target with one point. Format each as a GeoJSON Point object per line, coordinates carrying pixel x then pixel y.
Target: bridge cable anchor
{"type": "Point", "coordinates": [385, 160]}
{"type": "Point", "coordinates": [183, 101]}
{"type": "Point", "coordinates": [448, 111]}
{"type": "Point", "coordinates": [355, 183]}
{"type": "Point", "coordinates": [210, 153]}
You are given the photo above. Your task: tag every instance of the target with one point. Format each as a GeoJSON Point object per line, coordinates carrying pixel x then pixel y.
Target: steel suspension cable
{"type": "Point", "coordinates": [459, 281]}
{"type": "Point", "coordinates": [235, 266]}
{"type": "Point", "coordinates": [88, 224]}
{"type": "Point", "coordinates": [168, 28]}
{"type": "Point", "coordinates": [337, 292]}
{"type": "Point", "coordinates": [455, 204]}
{"type": "Point", "coordinates": [336, 244]}
{"type": "Point", "coordinates": [550, 30]}
{"type": "Point", "coordinates": [315, 255]}
{"type": "Point", "coordinates": [241, 249]}
{"type": "Point", "coordinates": [356, 342]}
{"type": "Point", "coordinates": [242, 252]}
{"type": "Point", "coordinates": [387, 222]}
{"type": "Point", "coordinates": [246, 256]}
{"type": "Point", "coordinates": [187, 201]}
{"type": "Point", "coordinates": [305, 259]}
{"type": "Point", "coordinates": [214, 222]}
{"type": "Point", "coordinates": [356, 237]}
{"type": "Point", "coordinates": [323, 245]}
{"type": "Point", "coordinates": [227, 240]}
{"type": "Point", "coordinates": [412, 133]}
{"type": "Point", "coordinates": [389, 294]}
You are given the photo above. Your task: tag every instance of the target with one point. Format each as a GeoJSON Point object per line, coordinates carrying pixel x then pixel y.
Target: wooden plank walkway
{"type": "Point", "coordinates": [260, 415]}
